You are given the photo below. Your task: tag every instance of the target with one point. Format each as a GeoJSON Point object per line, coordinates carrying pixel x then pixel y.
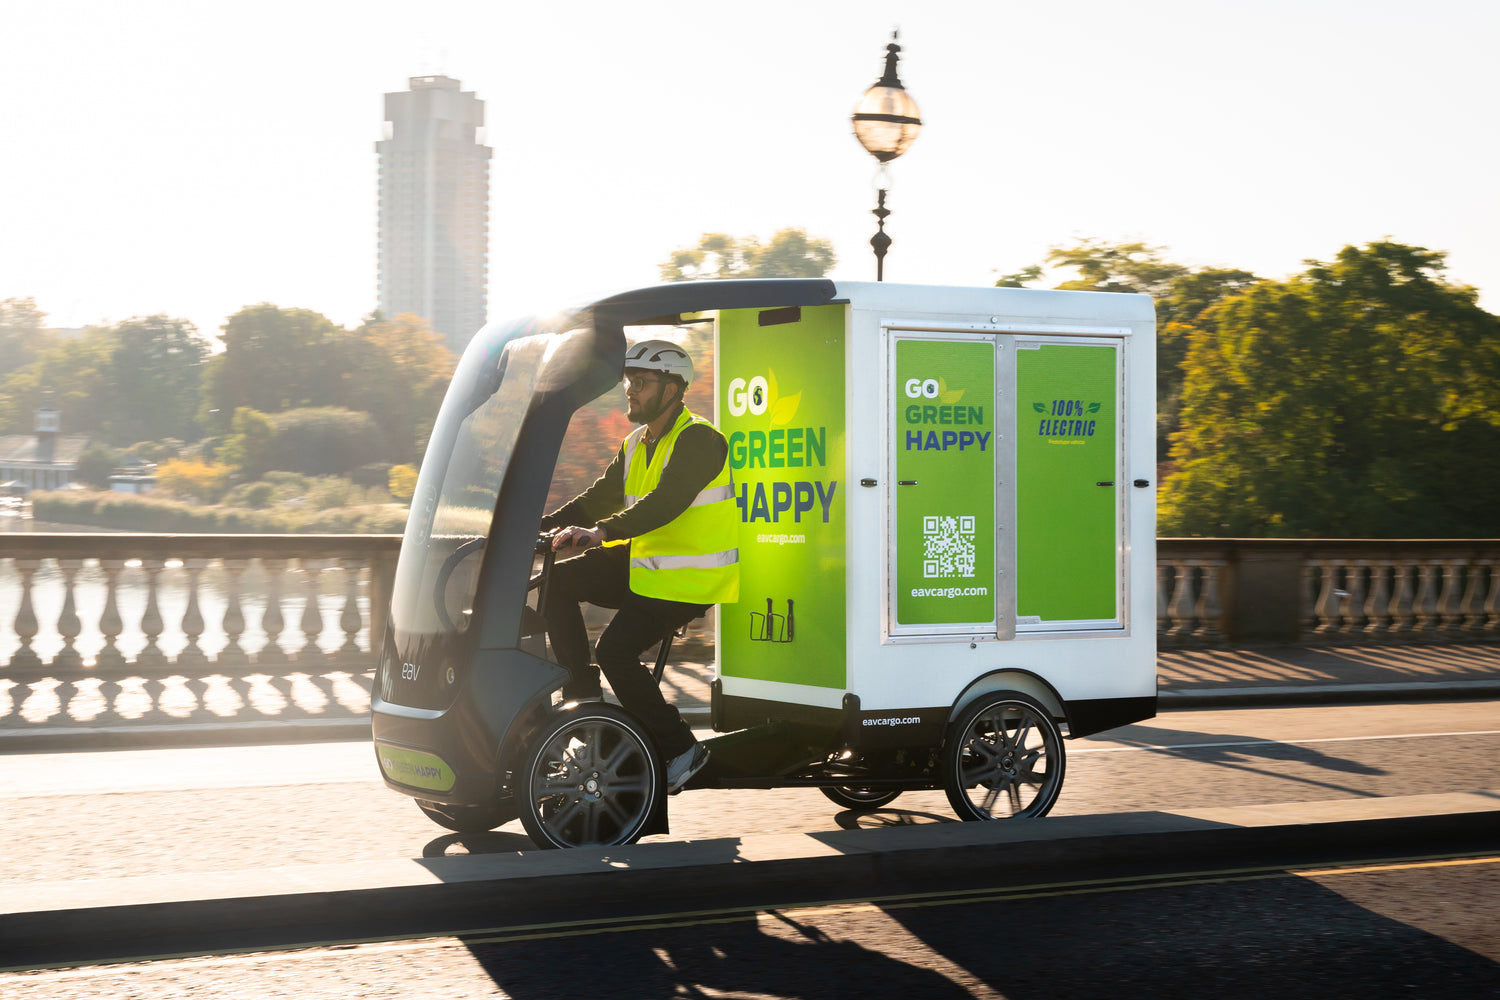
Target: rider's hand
{"type": "Point", "coordinates": [582, 537]}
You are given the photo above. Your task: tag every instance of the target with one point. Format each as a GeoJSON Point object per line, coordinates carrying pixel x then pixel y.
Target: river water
{"type": "Point", "coordinates": [90, 593]}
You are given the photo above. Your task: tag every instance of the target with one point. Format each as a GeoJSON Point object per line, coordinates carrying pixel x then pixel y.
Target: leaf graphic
{"type": "Point", "coordinates": [771, 394]}
{"type": "Point", "coordinates": [948, 396]}
{"type": "Point", "coordinates": [1039, 407]}
{"type": "Point", "coordinates": [1093, 407]}
{"type": "Point", "coordinates": [785, 409]}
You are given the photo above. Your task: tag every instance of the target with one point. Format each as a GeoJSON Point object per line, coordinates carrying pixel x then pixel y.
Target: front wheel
{"type": "Point", "coordinates": [592, 777]}
{"type": "Point", "coordinates": [1004, 759]}
{"type": "Point", "coordinates": [860, 798]}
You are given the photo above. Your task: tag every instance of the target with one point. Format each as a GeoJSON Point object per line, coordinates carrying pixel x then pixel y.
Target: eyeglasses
{"type": "Point", "coordinates": [642, 381]}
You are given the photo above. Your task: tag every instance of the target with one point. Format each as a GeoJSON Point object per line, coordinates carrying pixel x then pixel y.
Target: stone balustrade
{"type": "Point", "coordinates": [153, 605]}
{"type": "Point", "coordinates": [1216, 590]}
{"type": "Point", "coordinates": [103, 605]}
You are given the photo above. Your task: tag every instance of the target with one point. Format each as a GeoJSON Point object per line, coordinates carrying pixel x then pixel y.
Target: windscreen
{"type": "Point", "coordinates": [498, 380]}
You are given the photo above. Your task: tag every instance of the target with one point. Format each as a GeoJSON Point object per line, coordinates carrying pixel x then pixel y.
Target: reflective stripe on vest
{"type": "Point", "coordinates": [694, 558]}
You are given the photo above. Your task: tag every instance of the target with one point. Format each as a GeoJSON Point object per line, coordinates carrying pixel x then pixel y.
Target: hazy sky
{"type": "Point", "coordinates": [192, 158]}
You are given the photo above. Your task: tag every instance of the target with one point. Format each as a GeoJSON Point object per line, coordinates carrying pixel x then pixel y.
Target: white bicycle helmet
{"type": "Point", "coordinates": [660, 356]}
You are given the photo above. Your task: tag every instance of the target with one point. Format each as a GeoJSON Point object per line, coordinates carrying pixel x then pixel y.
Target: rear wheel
{"type": "Point", "coordinates": [858, 797]}
{"type": "Point", "coordinates": [592, 777]}
{"type": "Point", "coordinates": [1004, 758]}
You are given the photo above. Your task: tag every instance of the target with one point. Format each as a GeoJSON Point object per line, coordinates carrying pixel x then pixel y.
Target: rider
{"type": "Point", "coordinates": [659, 531]}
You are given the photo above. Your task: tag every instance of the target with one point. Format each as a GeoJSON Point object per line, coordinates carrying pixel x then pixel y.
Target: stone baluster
{"type": "Point", "coordinates": [1355, 572]}
{"type": "Point", "coordinates": [1328, 601]}
{"type": "Point", "coordinates": [1403, 599]}
{"type": "Point", "coordinates": [349, 619]}
{"type": "Point", "coordinates": [1426, 609]}
{"type": "Point", "coordinates": [25, 661]}
{"type": "Point", "coordinates": [1308, 599]}
{"type": "Point", "coordinates": [110, 660]}
{"type": "Point", "coordinates": [1180, 611]}
{"type": "Point", "coordinates": [1448, 602]}
{"type": "Point", "coordinates": [1378, 604]}
{"type": "Point", "coordinates": [1471, 608]}
{"type": "Point", "coordinates": [272, 623]}
{"type": "Point", "coordinates": [69, 625]}
{"type": "Point", "coordinates": [192, 656]}
{"type": "Point", "coordinates": [1163, 598]}
{"type": "Point", "coordinates": [152, 658]}
{"type": "Point", "coordinates": [312, 615]}
{"type": "Point", "coordinates": [233, 655]}
{"type": "Point", "coordinates": [1492, 603]}
{"type": "Point", "coordinates": [1209, 610]}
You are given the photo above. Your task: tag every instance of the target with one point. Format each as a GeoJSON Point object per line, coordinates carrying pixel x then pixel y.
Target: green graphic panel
{"type": "Point", "coordinates": [1066, 495]}
{"type": "Point", "coordinates": [945, 493]}
{"type": "Point", "coordinates": [781, 406]}
{"type": "Point", "coordinates": [414, 768]}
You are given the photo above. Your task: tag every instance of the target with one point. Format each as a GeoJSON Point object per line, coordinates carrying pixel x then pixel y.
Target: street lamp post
{"type": "Point", "coordinates": [886, 123]}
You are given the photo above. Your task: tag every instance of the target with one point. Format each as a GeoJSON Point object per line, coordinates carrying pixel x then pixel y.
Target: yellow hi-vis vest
{"type": "Point", "coordinates": [695, 557]}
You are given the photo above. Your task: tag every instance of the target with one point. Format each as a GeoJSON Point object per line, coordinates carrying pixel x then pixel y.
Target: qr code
{"type": "Point", "coordinates": [947, 546]}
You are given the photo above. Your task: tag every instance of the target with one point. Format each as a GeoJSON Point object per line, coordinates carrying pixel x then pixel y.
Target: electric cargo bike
{"type": "Point", "coordinates": [947, 555]}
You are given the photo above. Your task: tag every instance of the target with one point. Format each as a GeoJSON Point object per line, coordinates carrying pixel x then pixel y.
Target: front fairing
{"type": "Point", "coordinates": [479, 499]}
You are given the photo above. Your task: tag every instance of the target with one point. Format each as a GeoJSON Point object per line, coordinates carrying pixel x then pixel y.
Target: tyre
{"type": "Point", "coordinates": [859, 798]}
{"type": "Point", "coordinates": [1004, 758]}
{"type": "Point", "coordinates": [466, 819]}
{"type": "Point", "coordinates": [592, 777]}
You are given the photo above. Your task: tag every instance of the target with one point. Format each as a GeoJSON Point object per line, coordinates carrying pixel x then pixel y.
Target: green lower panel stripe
{"type": "Point", "coordinates": [419, 770]}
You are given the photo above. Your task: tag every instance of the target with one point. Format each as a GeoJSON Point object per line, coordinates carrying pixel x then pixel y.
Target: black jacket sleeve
{"type": "Point", "coordinates": [696, 459]}
{"type": "Point", "coordinates": [606, 496]}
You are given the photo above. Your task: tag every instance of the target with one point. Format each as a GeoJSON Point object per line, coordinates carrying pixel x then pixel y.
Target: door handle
{"type": "Point", "coordinates": [906, 482]}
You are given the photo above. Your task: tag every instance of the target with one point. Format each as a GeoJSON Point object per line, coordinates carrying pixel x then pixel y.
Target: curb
{"type": "Point", "coordinates": [63, 922]}
{"type": "Point", "coordinates": [1326, 694]}
{"type": "Point", "coordinates": [16, 740]}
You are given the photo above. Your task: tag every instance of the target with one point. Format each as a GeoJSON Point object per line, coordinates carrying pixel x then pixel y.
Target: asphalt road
{"type": "Point", "coordinates": [1242, 926]}
{"type": "Point", "coordinates": [144, 812]}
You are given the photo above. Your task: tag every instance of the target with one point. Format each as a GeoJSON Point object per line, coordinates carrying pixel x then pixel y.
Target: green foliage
{"type": "Point", "coordinates": [22, 333]}
{"type": "Point", "coordinates": [249, 448]}
{"type": "Point", "coordinates": [96, 465]}
{"type": "Point", "coordinates": [128, 512]}
{"type": "Point", "coordinates": [274, 359]}
{"type": "Point", "coordinates": [1117, 267]}
{"type": "Point", "coordinates": [155, 374]}
{"type": "Point", "coordinates": [399, 372]}
{"type": "Point", "coordinates": [324, 439]}
{"type": "Point", "coordinates": [74, 373]}
{"type": "Point", "coordinates": [791, 253]}
{"type": "Point", "coordinates": [1358, 399]}
{"type": "Point", "coordinates": [191, 478]}
{"type": "Point", "coordinates": [403, 481]}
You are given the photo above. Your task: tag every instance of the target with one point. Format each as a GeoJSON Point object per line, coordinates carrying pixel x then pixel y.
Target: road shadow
{"type": "Point", "coordinates": [772, 955]}
{"type": "Point", "coordinates": [1282, 936]}
{"type": "Point", "coordinates": [1241, 753]}
{"type": "Point", "coordinates": [492, 842]}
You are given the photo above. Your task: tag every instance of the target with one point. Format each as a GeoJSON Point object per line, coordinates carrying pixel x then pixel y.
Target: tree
{"type": "Point", "coordinates": [249, 448]}
{"type": "Point", "coordinates": [155, 376]}
{"type": "Point", "coordinates": [1117, 267]}
{"type": "Point", "coordinates": [399, 370]}
{"type": "Point", "coordinates": [96, 464]}
{"type": "Point", "coordinates": [791, 253]}
{"type": "Point", "coordinates": [73, 373]}
{"type": "Point", "coordinates": [1183, 298]}
{"type": "Point", "coordinates": [274, 359]}
{"type": "Point", "coordinates": [1358, 399]}
{"type": "Point", "coordinates": [22, 333]}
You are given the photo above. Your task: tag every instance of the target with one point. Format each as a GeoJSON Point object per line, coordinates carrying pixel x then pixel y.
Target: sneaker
{"type": "Point", "coordinates": [684, 766]}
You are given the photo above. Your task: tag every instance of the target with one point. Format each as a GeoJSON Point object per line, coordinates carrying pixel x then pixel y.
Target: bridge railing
{"type": "Point", "coordinates": [1238, 590]}
{"type": "Point", "coordinates": [156, 605]}
{"type": "Point", "coordinates": [150, 605]}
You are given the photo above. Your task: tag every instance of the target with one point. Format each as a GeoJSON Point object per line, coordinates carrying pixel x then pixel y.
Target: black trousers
{"type": "Point", "coordinates": [601, 576]}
